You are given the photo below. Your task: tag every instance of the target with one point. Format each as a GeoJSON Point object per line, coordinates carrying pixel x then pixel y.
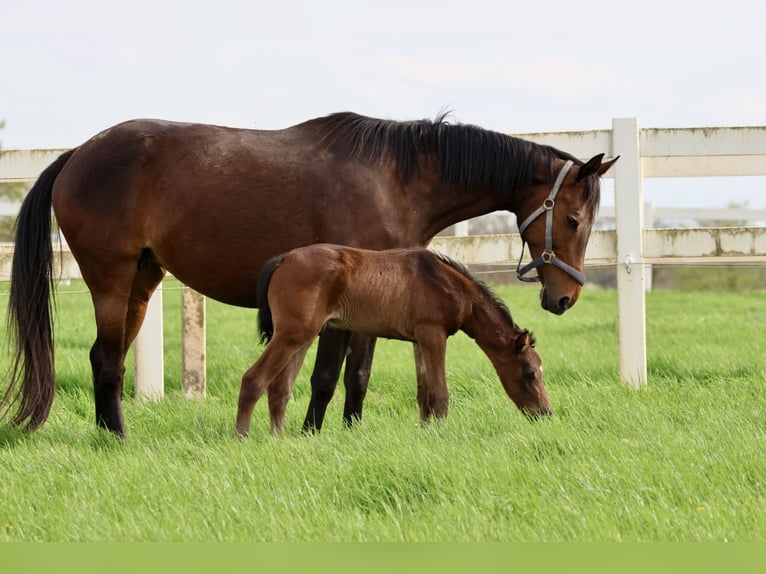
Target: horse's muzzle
{"type": "Point", "coordinates": [555, 307]}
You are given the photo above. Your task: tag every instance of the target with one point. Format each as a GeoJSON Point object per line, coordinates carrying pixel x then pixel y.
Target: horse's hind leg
{"type": "Point", "coordinates": [357, 375]}
{"type": "Point", "coordinates": [107, 360]}
{"type": "Point", "coordinates": [149, 276]}
{"type": "Point", "coordinates": [107, 355]}
{"type": "Point", "coordinates": [119, 314]}
{"type": "Point", "coordinates": [331, 351]}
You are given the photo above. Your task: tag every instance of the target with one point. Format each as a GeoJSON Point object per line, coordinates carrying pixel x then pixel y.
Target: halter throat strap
{"type": "Point", "coordinates": [547, 256]}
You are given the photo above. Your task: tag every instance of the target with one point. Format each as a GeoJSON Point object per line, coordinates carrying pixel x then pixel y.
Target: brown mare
{"type": "Point", "coordinates": [211, 204]}
{"type": "Point", "coordinates": [407, 294]}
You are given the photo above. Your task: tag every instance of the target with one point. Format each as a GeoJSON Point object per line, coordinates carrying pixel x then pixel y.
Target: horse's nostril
{"type": "Point", "coordinates": [564, 304]}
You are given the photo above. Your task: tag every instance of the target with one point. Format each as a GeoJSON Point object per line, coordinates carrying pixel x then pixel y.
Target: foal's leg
{"type": "Point", "coordinates": [269, 366]}
{"type": "Point", "coordinates": [280, 389]}
{"type": "Point", "coordinates": [433, 395]}
{"type": "Point", "coordinates": [331, 351]}
{"type": "Point", "coordinates": [357, 375]}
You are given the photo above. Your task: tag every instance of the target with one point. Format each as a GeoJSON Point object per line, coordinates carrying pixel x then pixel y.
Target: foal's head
{"type": "Point", "coordinates": [522, 376]}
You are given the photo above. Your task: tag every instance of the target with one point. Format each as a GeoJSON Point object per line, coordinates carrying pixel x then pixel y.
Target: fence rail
{"type": "Point", "coordinates": [687, 152]}
{"type": "Point", "coordinates": [690, 246]}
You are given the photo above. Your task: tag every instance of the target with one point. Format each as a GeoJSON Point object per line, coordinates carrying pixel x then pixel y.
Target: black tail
{"type": "Point", "coordinates": [265, 322]}
{"type": "Point", "coordinates": [30, 316]}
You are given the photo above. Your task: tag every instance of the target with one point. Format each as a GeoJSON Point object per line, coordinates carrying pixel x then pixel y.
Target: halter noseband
{"type": "Point", "coordinates": [547, 256]}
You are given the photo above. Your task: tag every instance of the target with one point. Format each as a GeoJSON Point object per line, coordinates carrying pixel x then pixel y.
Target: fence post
{"type": "Point", "coordinates": [193, 343]}
{"type": "Point", "coordinates": [629, 216]}
{"type": "Point", "coordinates": [148, 352]}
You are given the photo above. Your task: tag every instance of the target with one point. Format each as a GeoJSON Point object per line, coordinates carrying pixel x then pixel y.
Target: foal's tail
{"type": "Point", "coordinates": [265, 322]}
{"type": "Point", "coordinates": [30, 316]}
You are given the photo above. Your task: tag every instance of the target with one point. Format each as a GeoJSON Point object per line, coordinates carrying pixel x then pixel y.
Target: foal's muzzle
{"type": "Point", "coordinates": [537, 415]}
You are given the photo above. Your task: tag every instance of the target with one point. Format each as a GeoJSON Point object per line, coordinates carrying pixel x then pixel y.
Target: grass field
{"type": "Point", "coordinates": [681, 460]}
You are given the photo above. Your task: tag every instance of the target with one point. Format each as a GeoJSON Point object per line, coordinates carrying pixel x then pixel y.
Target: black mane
{"type": "Point", "coordinates": [467, 155]}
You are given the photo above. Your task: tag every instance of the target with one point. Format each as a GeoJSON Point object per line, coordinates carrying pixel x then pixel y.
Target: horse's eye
{"type": "Point", "coordinates": [572, 222]}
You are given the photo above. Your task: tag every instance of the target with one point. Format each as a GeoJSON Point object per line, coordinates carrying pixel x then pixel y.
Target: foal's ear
{"type": "Point", "coordinates": [523, 341]}
{"type": "Point", "coordinates": [594, 166]}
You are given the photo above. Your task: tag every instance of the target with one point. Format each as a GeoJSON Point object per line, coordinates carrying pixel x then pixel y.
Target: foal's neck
{"type": "Point", "coordinates": [488, 324]}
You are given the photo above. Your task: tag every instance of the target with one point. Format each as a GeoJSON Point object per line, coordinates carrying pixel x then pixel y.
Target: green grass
{"type": "Point", "coordinates": [681, 460]}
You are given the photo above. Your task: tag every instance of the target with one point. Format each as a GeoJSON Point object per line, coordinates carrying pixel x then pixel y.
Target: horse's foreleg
{"type": "Point", "coordinates": [357, 375]}
{"type": "Point", "coordinates": [331, 351]}
{"type": "Point", "coordinates": [432, 395]}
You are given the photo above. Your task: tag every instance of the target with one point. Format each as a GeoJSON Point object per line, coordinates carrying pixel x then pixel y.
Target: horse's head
{"type": "Point", "coordinates": [556, 220]}
{"type": "Point", "coordinates": [522, 376]}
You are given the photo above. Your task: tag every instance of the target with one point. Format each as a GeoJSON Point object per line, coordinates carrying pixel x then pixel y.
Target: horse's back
{"type": "Point", "coordinates": [144, 160]}
{"type": "Point", "coordinates": [209, 203]}
{"type": "Point", "coordinates": [152, 149]}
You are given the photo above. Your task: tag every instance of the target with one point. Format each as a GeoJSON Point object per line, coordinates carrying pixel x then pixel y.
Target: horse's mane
{"type": "Point", "coordinates": [467, 155]}
{"type": "Point", "coordinates": [488, 293]}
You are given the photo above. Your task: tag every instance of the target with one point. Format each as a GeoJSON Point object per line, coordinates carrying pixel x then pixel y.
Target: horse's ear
{"type": "Point", "coordinates": [590, 167]}
{"type": "Point", "coordinates": [606, 165]}
{"type": "Point", "coordinates": [594, 166]}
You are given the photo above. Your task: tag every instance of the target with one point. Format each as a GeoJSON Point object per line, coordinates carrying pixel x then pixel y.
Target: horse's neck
{"type": "Point", "coordinates": [437, 205]}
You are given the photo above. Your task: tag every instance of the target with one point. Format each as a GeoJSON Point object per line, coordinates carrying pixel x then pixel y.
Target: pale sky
{"type": "Point", "coordinates": [69, 69]}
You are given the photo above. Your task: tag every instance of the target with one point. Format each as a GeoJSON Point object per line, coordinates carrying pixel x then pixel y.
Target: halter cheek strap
{"type": "Point", "coordinates": [547, 256]}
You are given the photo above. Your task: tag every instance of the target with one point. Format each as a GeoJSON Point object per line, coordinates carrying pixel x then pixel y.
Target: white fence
{"type": "Point", "coordinates": [686, 152]}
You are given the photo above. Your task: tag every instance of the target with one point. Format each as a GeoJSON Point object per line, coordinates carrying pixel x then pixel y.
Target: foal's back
{"type": "Point", "coordinates": [380, 293]}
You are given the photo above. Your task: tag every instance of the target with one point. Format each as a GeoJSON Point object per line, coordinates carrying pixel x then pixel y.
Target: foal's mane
{"type": "Point", "coordinates": [468, 155]}
{"type": "Point", "coordinates": [488, 293]}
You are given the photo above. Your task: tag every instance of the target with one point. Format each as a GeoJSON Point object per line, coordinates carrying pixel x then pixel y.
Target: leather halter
{"type": "Point", "coordinates": [547, 256]}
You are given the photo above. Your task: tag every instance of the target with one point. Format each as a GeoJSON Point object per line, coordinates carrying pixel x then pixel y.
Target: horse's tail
{"type": "Point", "coordinates": [30, 314]}
{"type": "Point", "coordinates": [265, 321]}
